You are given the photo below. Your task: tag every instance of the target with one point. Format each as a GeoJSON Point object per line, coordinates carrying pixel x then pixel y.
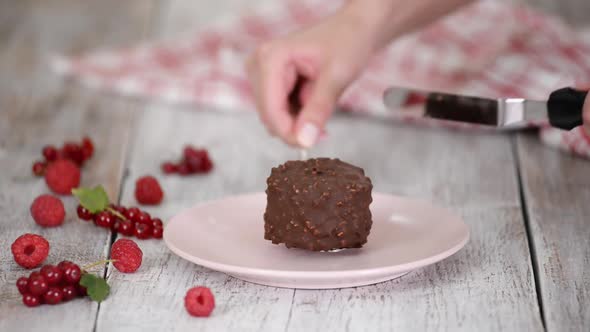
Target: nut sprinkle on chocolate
{"type": "Point", "coordinates": [319, 204]}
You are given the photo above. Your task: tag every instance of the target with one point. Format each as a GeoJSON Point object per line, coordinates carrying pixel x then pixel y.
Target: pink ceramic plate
{"type": "Point", "coordinates": [227, 236]}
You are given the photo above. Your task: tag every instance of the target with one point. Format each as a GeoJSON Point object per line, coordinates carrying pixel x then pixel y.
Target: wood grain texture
{"type": "Point", "coordinates": [488, 286]}
{"type": "Point", "coordinates": [243, 155]}
{"type": "Point", "coordinates": [38, 109]}
{"type": "Point", "coordinates": [557, 192]}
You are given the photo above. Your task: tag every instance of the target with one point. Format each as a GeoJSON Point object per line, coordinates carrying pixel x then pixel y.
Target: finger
{"type": "Point", "coordinates": [316, 110]}
{"type": "Point", "coordinates": [276, 79]}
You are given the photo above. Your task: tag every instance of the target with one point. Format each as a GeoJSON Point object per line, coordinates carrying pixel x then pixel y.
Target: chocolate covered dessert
{"type": "Point", "coordinates": [318, 204]}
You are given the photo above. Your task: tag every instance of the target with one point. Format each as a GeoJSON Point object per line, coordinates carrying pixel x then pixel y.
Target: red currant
{"type": "Point", "coordinates": [144, 218]}
{"type": "Point", "coordinates": [143, 231]}
{"type": "Point", "coordinates": [69, 292]}
{"type": "Point", "coordinates": [169, 168]}
{"type": "Point", "coordinates": [207, 165]}
{"type": "Point", "coordinates": [31, 300]}
{"type": "Point", "coordinates": [81, 290]}
{"type": "Point", "coordinates": [104, 219]}
{"type": "Point", "coordinates": [39, 168]}
{"type": "Point", "coordinates": [125, 227]}
{"type": "Point", "coordinates": [73, 152]}
{"type": "Point", "coordinates": [132, 213]}
{"type": "Point", "coordinates": [83, 213]}
{"type": "Point", "coordinates": [183, 169]}
{"type": "Point", "coordinates": [63, 265]}
{"type": "Point", "coordinates": [72, 274]}
{"type": "Point", "coordinates": [157, 222]}
{"type": "Point", "coordinates": [119, 208]}
{"type": "Point", "coordinates": [50, 153]}
{"type": "Point", "coordinates": [53, 296]}
{"type": "Point", "coordinates": [52, 274]}
{"type": "Point", "coordinates": [157, 232]}
{"type": "Point", "coordinates": [38, 285]}
{"type": "Point", "coordinates": [87, 148]}
{"type": "Point", "coordinates": [22, 284]}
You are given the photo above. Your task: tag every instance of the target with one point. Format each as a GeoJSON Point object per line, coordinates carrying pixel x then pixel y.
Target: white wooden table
{"type": "Point", "coordinates": [526, 267]}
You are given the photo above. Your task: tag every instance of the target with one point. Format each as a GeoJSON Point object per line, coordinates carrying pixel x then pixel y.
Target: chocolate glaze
{"type": "Point", "coordinates": [318, 204]}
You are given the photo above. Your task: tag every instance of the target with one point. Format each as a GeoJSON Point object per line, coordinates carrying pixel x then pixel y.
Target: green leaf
{"type": "Point", "coordinates": [93, 199]}
{"type": "Point", "coordinates": [97, 288]}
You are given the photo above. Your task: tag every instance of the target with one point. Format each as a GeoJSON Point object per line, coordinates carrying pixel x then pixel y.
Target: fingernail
{"type": "Point", "coordinates": [308, 135]}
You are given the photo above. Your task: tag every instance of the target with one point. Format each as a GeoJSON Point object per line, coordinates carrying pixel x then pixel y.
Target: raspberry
{"type": "Point", "coordinates": [148, 191]}
{"type": "Point", "coordinates": [62, 176]}
{"type": "Point", "coordinates": [48, 211]}
{"type": "Point", "coordinates": [127, 255]}
{"type": "Point", "coordinates": [30, 250]}
{"type": "Point", "coordinates": [199, 301]}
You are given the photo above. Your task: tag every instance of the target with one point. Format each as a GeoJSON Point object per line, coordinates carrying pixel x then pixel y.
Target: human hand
{"type": "Point", "coordinates": [325, 58]}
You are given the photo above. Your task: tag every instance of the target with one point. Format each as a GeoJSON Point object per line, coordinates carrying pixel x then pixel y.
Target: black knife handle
{"type": "Point", "coordinates": [565, 107]}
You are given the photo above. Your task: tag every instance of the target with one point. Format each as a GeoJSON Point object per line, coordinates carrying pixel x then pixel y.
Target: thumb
{"type": "Point", "coordinates": [319, 99]}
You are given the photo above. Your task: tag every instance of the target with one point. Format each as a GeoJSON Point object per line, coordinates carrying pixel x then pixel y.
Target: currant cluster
{"type": "Point", "coordinates": [78, 153]}
{"type": "Point", "coordinates": [126, 221]}
{"type": "Point", "coordinates": [51, 285]}
{"type": "Point", "coordinates": [193, 161]}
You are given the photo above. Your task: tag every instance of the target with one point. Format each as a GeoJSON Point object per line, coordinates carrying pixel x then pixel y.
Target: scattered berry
{"type": "Point", "coordinates": [38, 285]}
{"type": "Point", "coordinates": [64, 264]}
{"type": "Point", "coordinates": [144, 218]}
{"type": "Point", "coordinates": [70, 292]}
{"type": "Point", "coordinates": [30, 250]}
{"type": "Point", "coordinates": [104, 219]}
{"type": "Point", "coordinates": [73, 152]}
{"type": "Point", "coordinates": [48, 211]}
{"type": "Point", "coordinates": [193, 161]}
{"type": "Point", "coordinates": [87, 148]}
{"type": "Point", "coordinates": [50, 153]}
{"type": "Point", "coordinates": [199, 302]}
{"type": "Point", "coordinates": [125, 227]}
{"type": "Point", "coordinates": [157, 223]}
{"type": "Point", "coordinates": [157, 232]}
{"type": "Point", "coordinates": [83, 213]}
{"type": "Point", "coordinates": [148, 191]}
{"type": "Point", "coordinates": [22, 284]}
{"type": "Point", "coordinates": [142, 231]}
{"type": "Point", "coordinates": [62, 176]}
{"type": "Point", "coordinates": [39, 168]}
{"type": "Point", "coordinates": [31, 300]}
{"type": "Point", "coordinates": [169, 168]}
{"type": "Point", "coordinates": [53, 296]}
{"type": "Point", "coordinates": [72, 274]}
{"type": "Point", "coordinates": [52, 274]}
{"type": "Point", "coordinates": [127, 255]}
{"type": "Point", "coordinates": [132, 213]}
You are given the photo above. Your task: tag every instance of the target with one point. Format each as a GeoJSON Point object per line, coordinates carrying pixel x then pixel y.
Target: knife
{"type": "Point", "coordinates": [563, 108]}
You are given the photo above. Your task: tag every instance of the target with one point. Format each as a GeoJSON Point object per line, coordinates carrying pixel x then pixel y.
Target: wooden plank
{"type": "Point", "coordinates": [488, 286]}
{"type": "Point", "coordinates": [557, 191]}
{"type": "Point", "coordinates": [38, 109]}
{"type": "Point", "coordinates": [243, 156]}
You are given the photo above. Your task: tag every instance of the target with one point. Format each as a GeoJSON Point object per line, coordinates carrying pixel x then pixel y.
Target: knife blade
{"type": "Point", "coordinates": [562, 109]}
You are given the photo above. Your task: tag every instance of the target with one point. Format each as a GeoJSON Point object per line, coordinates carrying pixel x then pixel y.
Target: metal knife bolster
{"type": "Point", "coordinates": [519, 112]}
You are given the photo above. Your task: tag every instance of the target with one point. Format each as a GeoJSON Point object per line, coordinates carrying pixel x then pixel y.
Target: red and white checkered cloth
{"type": "Point", "coordinates": [489, 49]}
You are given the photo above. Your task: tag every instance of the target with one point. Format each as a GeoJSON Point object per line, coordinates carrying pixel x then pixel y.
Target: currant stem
{"type": "Point", "coordinates": [116, 213]}
{"type": "Point", "coordinates": [101, 262]}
